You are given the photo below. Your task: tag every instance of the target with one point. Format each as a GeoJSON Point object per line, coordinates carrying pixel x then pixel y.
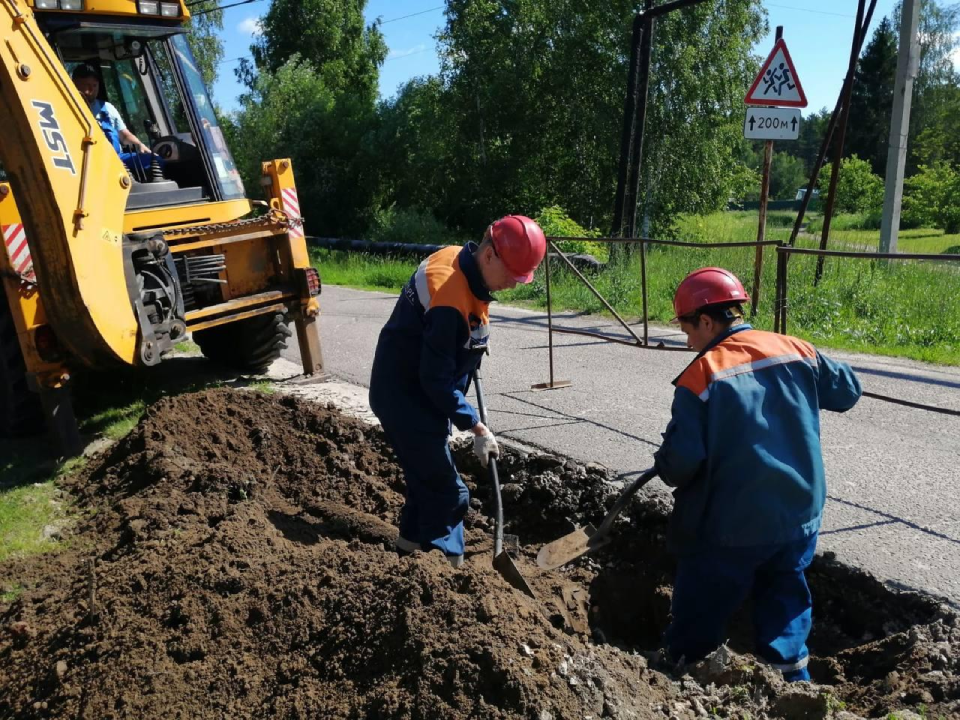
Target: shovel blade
{"type": "Point", "coordinates": [503, 564]}
{"type": "Point", "coordinates": [570, 547]}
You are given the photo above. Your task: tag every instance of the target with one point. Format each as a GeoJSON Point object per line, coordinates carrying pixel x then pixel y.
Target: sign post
{"type": "Point", "coordinates": [777, 88]}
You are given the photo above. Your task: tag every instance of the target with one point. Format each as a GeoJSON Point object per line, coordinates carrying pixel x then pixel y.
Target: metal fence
{"type": "Point", "coordinates": [637, 341]}
{"type": "Point", "coordinates": [781, 296]}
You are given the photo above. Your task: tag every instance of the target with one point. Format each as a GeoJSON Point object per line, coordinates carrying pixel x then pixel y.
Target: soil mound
{"type": "Point", "coordinates": [235, 560]}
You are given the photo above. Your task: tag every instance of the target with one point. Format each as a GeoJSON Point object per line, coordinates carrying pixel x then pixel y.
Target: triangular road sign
{"type": "Point", "coordinates": [777, 83]}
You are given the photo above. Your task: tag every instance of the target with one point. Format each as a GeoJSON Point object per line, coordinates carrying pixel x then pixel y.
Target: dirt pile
{"type": "Point", "coordinates": [235, 561]}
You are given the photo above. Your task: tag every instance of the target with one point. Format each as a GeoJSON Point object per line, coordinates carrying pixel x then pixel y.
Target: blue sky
{"type": "Point", "coordinates": [817, 33]}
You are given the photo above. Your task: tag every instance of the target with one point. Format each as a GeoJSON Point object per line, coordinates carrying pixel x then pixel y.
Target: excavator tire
{"type": "Point", "coordinates": [20, 411]}
{"type": "Point", "coordinates": [249, 345]}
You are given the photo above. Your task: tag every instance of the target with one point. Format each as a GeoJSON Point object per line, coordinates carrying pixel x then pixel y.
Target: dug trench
{"type": "Point", "coordinates": [234, 560]}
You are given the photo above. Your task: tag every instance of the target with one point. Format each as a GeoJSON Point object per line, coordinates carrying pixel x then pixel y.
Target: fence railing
{"type": "Point", "coordinates": [781, 297]}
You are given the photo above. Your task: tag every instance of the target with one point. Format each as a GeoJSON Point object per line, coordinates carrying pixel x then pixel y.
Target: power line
{"type": "Point", "coordinates": [818, 12]}
{"type": "Point", "coordinates": [219, 7]}
{"type": "Point", "coordinates": [404, 17]}
{"type": "Point", "coordinates": [406, 55]}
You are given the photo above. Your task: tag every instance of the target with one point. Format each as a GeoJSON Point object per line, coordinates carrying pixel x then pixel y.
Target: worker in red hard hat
{"type": "Point", "coordinates": [743, 451]}
{"type": "Point", "coordinates": [425, 355]}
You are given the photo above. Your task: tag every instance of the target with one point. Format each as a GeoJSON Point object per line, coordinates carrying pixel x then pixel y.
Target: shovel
{"type": "Point", "coordinates": [587, 539]}
{"type": "Point", "coordinates": [502, 562]}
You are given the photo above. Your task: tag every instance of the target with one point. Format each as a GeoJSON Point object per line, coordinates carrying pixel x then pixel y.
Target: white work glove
{"type": "Point", "coordinates": [485, 446]}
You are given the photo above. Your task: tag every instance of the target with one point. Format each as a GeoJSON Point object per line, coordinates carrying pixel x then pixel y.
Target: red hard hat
{"type": "Point", "coordinates": [707, 286]}
{"type": "Point", "coordinates": [520, 243]}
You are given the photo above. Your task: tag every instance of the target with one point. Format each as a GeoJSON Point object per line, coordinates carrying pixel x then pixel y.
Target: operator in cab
{"type": "Point", "coordinates": [140, 160]}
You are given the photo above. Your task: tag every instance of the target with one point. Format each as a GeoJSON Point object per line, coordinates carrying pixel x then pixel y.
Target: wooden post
{"type": "Point", "coordinates": [762, 227]}
{"type": "Point", "coordinates": [762, 224]}
{"type": "Point", "coordinates": [841, 135]}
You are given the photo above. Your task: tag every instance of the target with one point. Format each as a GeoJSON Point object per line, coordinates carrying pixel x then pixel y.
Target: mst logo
{"type": "Point", "coordinates": [53, 137]}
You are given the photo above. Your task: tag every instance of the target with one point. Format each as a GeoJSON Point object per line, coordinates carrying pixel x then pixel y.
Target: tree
{"type": "Point", "coordinates": [930, 198]}
{"type": "Point", "coordinates": [858, 189]}
{"type": "Point", "coordinates": [939, 140]}
{"type": "Point", "coordinates": [702, 63]}
{"type": "Point", "coordinates": [938, 25]}
{"type": "Point", "coordinates": [534, 95]}
{"type": "Point", "coordinates": [787, 174]}
{"type": "Point", "coordinates": [329, 34]}
{"type": "Point", "coordinates": [292, 113]}
{"type": "Point", "coordinates": [312, 97]}
{"type": "Point", "coordinates": [871, 100]}
{"type": "Point", "coordinates": [417, 156]}
{"type": "Point", "coordinates": [206, 22]}
{"type": "Point", "coordinates": [813, 128]}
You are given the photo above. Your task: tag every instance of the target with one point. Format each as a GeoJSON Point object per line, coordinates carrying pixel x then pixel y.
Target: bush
{"type": "Point", "coordinates": [409, 225]}
{"type": "Point", "coordinates": [930, 198]}
{"type": "Point", "coordinates": [556, 223]}
{"type": "Point", "coordinates": [859, 190]}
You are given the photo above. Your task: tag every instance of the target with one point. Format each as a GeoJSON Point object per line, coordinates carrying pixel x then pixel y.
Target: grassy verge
{"type": "Point", "coordinates": [896, 308]}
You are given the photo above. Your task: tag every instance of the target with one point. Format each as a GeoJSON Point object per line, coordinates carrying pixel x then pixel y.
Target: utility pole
{"type": "Point", "coordinates": [908, 60]}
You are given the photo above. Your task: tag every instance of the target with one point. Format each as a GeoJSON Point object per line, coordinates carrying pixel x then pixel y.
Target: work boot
{"type": "Point", "coordinates": [406, 547]}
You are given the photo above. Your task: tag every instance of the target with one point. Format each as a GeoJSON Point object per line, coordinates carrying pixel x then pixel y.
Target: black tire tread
{"type": "Point", "coordinates": [249, 345]}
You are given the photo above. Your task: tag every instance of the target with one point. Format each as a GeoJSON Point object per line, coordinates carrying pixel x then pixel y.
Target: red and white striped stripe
{"type": "Point", "coordinates": [291, 206]}
{"type": "Point", "coordinates": [15, 240]}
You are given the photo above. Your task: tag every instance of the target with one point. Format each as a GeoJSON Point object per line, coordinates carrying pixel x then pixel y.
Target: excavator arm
{"type": "Point", "coordinates": [72, 190]}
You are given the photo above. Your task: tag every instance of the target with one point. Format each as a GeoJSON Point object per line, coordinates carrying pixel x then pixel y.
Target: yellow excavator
{"type": "Point", "coordinates": [108, 261]}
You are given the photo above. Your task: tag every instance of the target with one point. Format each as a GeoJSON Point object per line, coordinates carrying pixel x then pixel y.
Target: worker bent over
{"type": "Point", "coordinates": [743, 450]}
{"type": "Point", "coordinates": [425, 355]}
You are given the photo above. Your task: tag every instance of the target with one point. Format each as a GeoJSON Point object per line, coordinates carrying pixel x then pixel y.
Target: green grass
{"type": "Point", "coordinates": [904, 309]}
{"type": "Point", "coordinates": [365, 272]}
{"type": "Point", "coordinates": [24, 511]}
{"type": "Point", "coordinates": [187, 346]}
{"type": "Point", "coordinates": [107, 405]}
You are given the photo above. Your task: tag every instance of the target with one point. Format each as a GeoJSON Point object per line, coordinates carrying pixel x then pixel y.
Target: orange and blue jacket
{"type": "Point", "coordinates": [743, 444]}
{"type": "Point", "coordinates": [430, 345]}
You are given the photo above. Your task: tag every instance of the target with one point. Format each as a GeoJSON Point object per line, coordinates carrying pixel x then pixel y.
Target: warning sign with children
{"type": "Point", "coordinates": [777, 83]}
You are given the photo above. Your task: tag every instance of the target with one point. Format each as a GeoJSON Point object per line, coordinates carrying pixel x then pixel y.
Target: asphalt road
{"type": "Point", "coordinates": [893, 479]}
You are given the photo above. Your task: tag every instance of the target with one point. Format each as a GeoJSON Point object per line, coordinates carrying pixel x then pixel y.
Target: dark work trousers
{"type": "Point", "coordinates": [712, 583]}
{"type": "Point", "coordinates": [436, 499]}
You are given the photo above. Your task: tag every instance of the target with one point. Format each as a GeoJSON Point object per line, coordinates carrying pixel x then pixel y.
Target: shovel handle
{"type": "Point", "coordinates": [494, 475]}
{"type": "Point", "coordinates": [621, 502]}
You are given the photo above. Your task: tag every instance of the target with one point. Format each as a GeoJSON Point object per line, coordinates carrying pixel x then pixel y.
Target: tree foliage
{"type": "Point", "coordinates": [871, 100]}
{"type": "Point", "coordinates": [702, 63]}
{"type": "Point", "coordinates": [312, 98]}
{"type": "Point", "coordinates": [293, 113]}
{"type": "Point", "coordinates": [936, 75]}
{"type": "Point", "coordinates": [205, 24]}
{"type": "Point", "coordinates": [329, 34]}
{"type": "Point", "coordinates": [859, 190]}
{"type": "Point", "coordinates": [527, 111]}
{"type": "Point", "coordinates": [932, 198]}
{"type": "Point", "coordinates": [787, 175]}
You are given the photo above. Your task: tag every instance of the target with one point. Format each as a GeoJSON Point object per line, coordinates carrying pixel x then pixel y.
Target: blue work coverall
{"type": "Point", "coordinates": [425, 354]}
{"type": "Point", "coordinates": [743, 450]}
{"type": "Point", "coordinates": [111, 122]}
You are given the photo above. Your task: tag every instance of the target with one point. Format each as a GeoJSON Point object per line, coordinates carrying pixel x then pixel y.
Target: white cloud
{"type": "Point", "coordinates": [955, 55]}
{"type": "Point", "coordinates": [393, 54]}
{"type": "Point", "coordinates": [250, 26]}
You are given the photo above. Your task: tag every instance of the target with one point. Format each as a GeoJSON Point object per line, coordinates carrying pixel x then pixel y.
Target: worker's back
{"type": "Point", "coordinates": [756, 398]}
{"type": "Point", "coordinates": [431, 343]}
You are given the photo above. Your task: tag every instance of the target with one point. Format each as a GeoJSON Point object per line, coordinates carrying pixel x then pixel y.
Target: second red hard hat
{"type": "Point", "coordinates": [707, 286]}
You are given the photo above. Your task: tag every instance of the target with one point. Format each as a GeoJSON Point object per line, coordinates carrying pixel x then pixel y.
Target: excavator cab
{"type": "Point", "coordinates": [153, 81]}
{"type": "Point", "coordinates": [111, 254]}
